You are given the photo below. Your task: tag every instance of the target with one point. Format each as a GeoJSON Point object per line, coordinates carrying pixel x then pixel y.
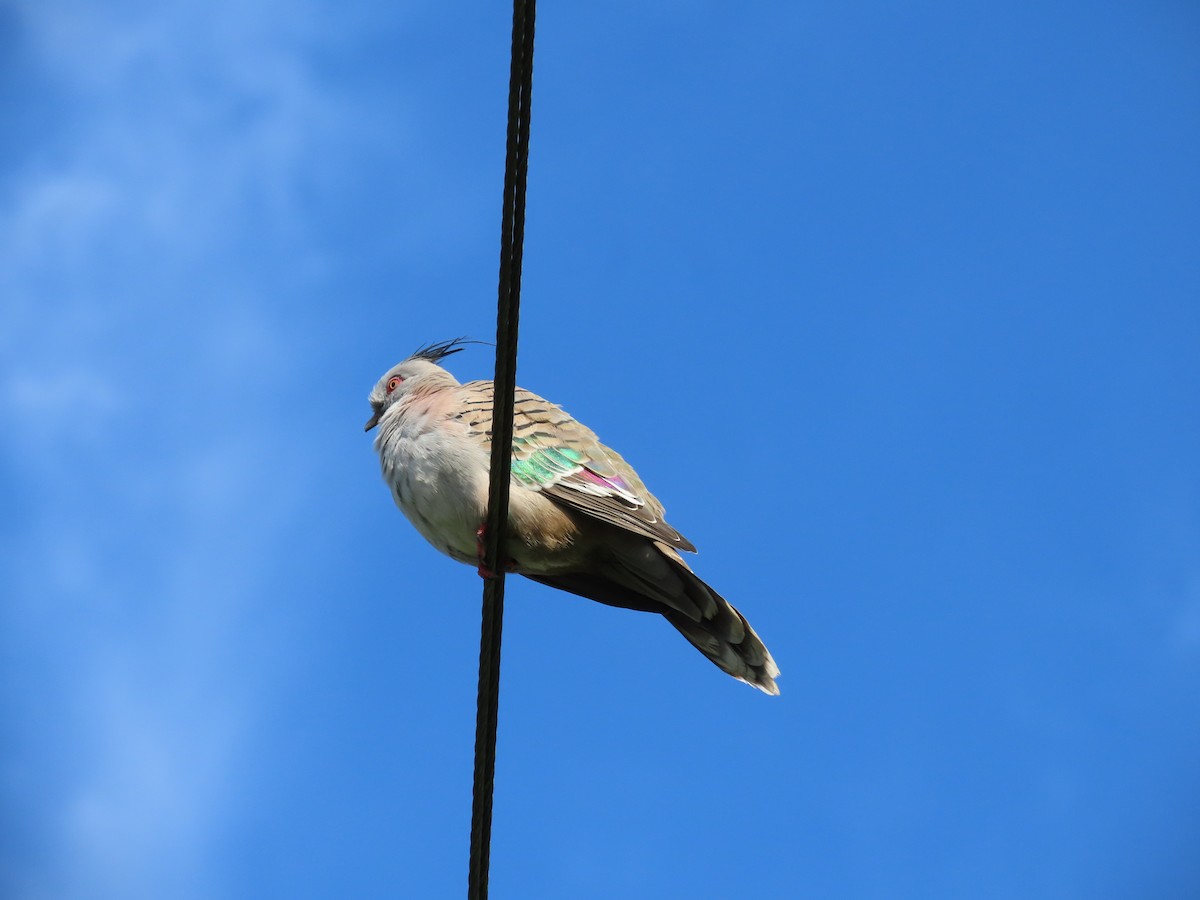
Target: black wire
{"type": "Point", "coordinates": [508, 305]}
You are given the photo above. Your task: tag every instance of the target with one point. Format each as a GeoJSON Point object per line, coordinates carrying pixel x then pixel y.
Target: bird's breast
{"type": "Point", "coordinates": [438, 476]}
{"type": "Point", "coordinates": [439, 481]}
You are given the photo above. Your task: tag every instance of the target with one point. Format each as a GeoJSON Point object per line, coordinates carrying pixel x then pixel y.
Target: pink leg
{"type": "Point", "coordinates": [484, 571]}
{"type": "Point", "coordinates": [480, 533]}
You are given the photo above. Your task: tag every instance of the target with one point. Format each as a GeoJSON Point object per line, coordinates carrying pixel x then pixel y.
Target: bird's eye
{"type": "Point", "coordinates": [393, 383]}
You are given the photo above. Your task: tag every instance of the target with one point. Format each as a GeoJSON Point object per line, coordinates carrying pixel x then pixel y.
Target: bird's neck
{"type": "Point", "coordinates": [426, 403]}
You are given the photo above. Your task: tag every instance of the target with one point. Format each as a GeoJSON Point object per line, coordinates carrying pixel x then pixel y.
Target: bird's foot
{"type": "Point", "coordinates": [484, 572]}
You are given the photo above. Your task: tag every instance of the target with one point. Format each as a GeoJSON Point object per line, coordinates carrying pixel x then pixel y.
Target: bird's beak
{"type": "Point", "coordinates": [372, 422]}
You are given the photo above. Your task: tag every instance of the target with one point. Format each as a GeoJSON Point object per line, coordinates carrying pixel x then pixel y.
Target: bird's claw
{"type": "Point", "coordinates": [484, 572]}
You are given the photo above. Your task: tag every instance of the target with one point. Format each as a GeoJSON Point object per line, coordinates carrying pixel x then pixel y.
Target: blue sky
{"type": "Point", "coordinates": [896, 309]}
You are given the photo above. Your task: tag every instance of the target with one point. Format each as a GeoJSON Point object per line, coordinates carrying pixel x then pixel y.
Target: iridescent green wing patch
{"type": "Point", "coordinates": [539, 466]}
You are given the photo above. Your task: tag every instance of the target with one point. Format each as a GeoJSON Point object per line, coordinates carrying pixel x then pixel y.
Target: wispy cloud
{"type": "Point", "coordinates": [135, 244]}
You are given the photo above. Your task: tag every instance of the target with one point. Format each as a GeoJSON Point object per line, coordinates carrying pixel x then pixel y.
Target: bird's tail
{"type": "Point", "coordinates": [729, 641]}
{"type": "Point", "coordinates": [720, 632]}
{"type": "Point", "coordinates": [650, 576]}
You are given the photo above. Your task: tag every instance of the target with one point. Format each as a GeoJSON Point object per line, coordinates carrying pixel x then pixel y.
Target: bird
{"type": "Point", "coordinates": [580, 519]}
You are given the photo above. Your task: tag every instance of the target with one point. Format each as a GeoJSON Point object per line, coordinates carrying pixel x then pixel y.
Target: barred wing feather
{"type": "Point", "coordinates": [562, 458]}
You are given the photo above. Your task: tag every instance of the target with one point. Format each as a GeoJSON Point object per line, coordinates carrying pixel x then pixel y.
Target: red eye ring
{"type": "Point", "coordinates": [393, 383]}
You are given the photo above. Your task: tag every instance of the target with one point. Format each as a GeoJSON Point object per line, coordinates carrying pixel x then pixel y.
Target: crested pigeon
{"type": "Point", "coordinates": [579, 517]}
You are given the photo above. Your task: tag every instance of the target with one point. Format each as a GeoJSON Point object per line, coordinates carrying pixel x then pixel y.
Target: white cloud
{"type": "Point", "coordinates": [132, 258]}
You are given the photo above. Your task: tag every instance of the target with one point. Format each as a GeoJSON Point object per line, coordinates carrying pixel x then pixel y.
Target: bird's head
{"type": "Point", "coordinates": [419, 372]}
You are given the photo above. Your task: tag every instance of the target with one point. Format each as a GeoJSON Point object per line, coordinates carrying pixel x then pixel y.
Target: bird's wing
{"type": "Point", "coordinates": [563, 459]}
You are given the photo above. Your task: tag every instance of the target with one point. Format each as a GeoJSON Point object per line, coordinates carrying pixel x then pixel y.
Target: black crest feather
{"type": "Point", "coordinates": [439, 351]}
